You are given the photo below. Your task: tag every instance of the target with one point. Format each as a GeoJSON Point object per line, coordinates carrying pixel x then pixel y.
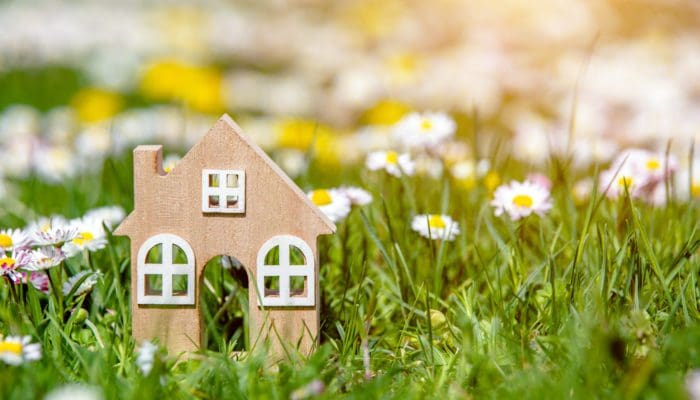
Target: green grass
{"type": "Point", "coordinates": [598, 300]}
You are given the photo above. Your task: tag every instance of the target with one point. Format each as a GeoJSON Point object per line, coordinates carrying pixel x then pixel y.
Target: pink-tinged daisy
{"type": "Point", "coordinates": [15, 350]}
{"type": "Point", "coordinates": [520, 199]}
{"type": "Point", "coordinates": [540, 180]}
{"type": "Point", "coordinates": [11, 239]}
{"type": "Point", "coordinates": [56, 232]}
{"type": "Point", "coordinates": [392, 162]}
{"type": "Point", "coordinates": [356, 195]}
{"type": "Point", "coordinates": [435, 226]}
{"type": "Point", "coordinates": [618, 182]}
{"type": "Point", "coordinates": [331, 202]}
{"type": "Point", "coordinates": [424, 130]}
{"type": "Point", "coordinates": [647, 165]}
{"type": "Point", "coordinates": [44, 258]}
{"type": "Point", "coordinates": [637, 172]}
{"type": "Point", "coordinates": [39, 280]}
{"type": "Point", "coordinates": [10, 265]}
{"type": "Point", "coordinates": [91, 237]}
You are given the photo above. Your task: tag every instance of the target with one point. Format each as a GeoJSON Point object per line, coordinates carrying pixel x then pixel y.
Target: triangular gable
{"type": "Point", "coordinates": [231, 127]}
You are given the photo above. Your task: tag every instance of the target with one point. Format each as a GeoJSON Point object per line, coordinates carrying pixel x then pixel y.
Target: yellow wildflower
{"type": "Point", "coordinates": [385, 112]}
{"type": "Point", "coordinates": [94, 104]}
{"type": "Point", "coordinates": [198, 87]}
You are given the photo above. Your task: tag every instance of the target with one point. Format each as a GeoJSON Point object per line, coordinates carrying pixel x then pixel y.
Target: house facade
{"type": "Point", "coordinates": [225, 197]}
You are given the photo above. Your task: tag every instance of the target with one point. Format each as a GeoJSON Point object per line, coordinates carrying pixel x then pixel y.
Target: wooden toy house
{"type": "Point", "coordinates": [225, 197]}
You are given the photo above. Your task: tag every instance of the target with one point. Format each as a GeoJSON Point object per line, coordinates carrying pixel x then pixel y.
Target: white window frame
{"type": "Point", "coordinates": [222, 191]}
{"type": "Point", "coordinates": [284, 271]}
{"type": "Point", "coordinates": [166, 269]}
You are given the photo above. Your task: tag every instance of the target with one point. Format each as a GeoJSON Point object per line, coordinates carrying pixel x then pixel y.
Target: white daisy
{"type": "Point", "coordinates": [334, 204]}
{"type": "Point", "coordinates": [14, 238]}
{"type": "Point", "coordinates": [15, 350]}
{"type": "Point", "coordinates": [44, 258]}
{"type": "Point", "coordinates": [45, 223]}
{"type": "Point", "coordinates": [424, 131]}
{"type": "Point", "coordinates": [392, 162]}
{"type": "Point", "coordinates": [91, 237]}
{"type": "Point", "coordinates": [109, 215]}
{"type": "Point", "coordinates": [520, 199]}
{"type": "Point", "coordinates": [57, 231]}
{"type": "Point", "coordinates": [85, 285]}
{"type": "Point", "coordinates": [170, 161]}
{"type": "Point", "coordinates": [435, 226]}
{"type": "Point", "coordinates": [146, 357]}
{"type": "Point", "coordinates": [356, 195]}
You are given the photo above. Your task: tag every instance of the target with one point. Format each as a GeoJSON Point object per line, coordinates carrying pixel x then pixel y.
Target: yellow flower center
{"type": "Point", "coordinates": [7, 261]}
{"type": "Point", "coordinates": [83, 238]}
{"type": "Point", "coordinates": [625, 181]}
{"type": "Point", "coordinates": [426, 124]}
{"type": "Point", "coordinates": [11, 347]}
{"type": "Point", "coordinates": [5, 240]}
{"type": "Point", "coordinates": [321, 197]}
{"type": "Point", "coordinates": [653, 164]}
{"type": "Point", "coordinates": [436, 222]}
{"type": "Point", "coordinates": [392, 157]}
{"type": "Point", "coordinates": [523, 200]}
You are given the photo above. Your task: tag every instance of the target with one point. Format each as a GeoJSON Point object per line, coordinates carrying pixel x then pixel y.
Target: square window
{"type": "Point", "coordinates": [297, 286]}
{"type": "Point", "coordinates": [213, 180]}
{"type": "Point", "coordinates": [272, 286]}
{"type": "Point", "coordinates": [232, 180]}
{"type": "Point", "coordinates": [154, 284]}
{"type": "Point", "coordinates": [223, 191]}
{"type": "Point", "coordinates": [179, 285]}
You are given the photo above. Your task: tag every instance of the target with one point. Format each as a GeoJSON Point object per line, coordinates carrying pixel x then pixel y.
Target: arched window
{"type": "Point", "coordinates": [285, 273]}
{"type": "Point", "coordinates": [165, 271]}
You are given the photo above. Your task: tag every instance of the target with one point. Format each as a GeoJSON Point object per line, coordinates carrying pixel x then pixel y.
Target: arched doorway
{"type": "Point", "coordinates": [223, 299]}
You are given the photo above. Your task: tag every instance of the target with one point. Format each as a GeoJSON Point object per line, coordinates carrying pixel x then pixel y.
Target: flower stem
{"type": "Point", "coordinates": [57, 294]}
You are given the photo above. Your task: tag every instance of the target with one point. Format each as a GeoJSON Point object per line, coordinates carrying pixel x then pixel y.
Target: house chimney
{"type": "Point", "coordinates": [148, 163]}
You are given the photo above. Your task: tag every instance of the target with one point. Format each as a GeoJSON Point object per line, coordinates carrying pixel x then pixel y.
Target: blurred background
{"type": "Point", "coordinates": [81, 81]}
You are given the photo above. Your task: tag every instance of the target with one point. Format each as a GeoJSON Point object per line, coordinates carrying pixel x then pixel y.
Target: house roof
{"type": "Point", "coordinates": [230, 127]}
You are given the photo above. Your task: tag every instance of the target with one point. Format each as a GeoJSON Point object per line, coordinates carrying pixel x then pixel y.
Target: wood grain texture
{"type": "Point", "coordinates": [171, 203]}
